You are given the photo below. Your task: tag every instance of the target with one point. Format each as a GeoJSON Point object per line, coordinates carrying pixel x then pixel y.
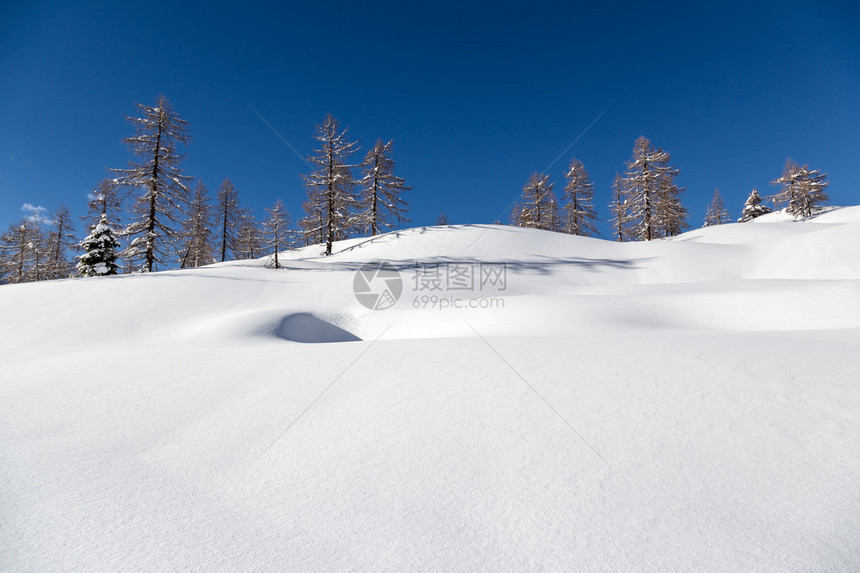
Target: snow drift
{"type": "Point", "coordinates": [688, 404]}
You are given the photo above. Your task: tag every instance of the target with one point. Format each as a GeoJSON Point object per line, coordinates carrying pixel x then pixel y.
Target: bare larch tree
{"type": "Point", "coordinates": [620, 210]}
{"type": "Point", "coordinates": [380, 190]}
{"type": "Point", "coordinates": [579, 214]}
{"type": "Point", "coordinates": [277, 229]}
{"type": "Point", "coordinates": [61, 239]}
{"type": "Point", "coordinates": [802, 190]}
{"type": "Point", "coordinates": [331, 203]}
{"type": "Point", "coordinates": [161, 187]}
{"type": "Point", "coordinates": [653, 199]}
{"type": "Point", "coordinates": [535, 207]}
{"type": "Point", "coordinates": [716, 213]}
{"type": "Point", "coordinates": [227, 218]}
{"type": "Point", "coordinates": [197, 247]}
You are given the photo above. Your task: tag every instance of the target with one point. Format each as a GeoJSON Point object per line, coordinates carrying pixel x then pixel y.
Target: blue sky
{"type": "Point", "coordinates": [475, 97]}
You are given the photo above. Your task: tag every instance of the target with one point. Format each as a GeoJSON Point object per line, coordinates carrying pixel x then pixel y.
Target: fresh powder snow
{"type": "Point", "coordinates": [685, 404]}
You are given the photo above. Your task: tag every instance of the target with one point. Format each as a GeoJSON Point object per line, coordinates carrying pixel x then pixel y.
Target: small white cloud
{"type": "Point", "coordinates": [35, 213]}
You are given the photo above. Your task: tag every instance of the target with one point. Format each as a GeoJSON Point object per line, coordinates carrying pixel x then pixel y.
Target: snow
{"type": "Point", "coordinates": [688, 404]}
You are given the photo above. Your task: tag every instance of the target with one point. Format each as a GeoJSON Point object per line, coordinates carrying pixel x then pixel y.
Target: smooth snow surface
{"type": "Point", "coordinates": [681, 405]}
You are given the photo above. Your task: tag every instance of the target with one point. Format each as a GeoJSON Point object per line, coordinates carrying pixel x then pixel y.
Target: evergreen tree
{"type": "Point", "coordinates": [249, 241]}
{"type": "Point", "coordinates": [579, 214]}
{"type": "Point", "coordinates": [60, 240]}
{"type": "Point", "coordinates": [802, 190]}
{"type": "Point", "coordinates": [161, 187]}
{"type": "Point", "coordinates": [382, 206]}
{"type": "Point", "coordinates": [442, 219]}
{"type": "Point", "coordinates": [197, 231]}
{"type": "Point", "coordinates": [753, 208]}
{"type": "Point", "coordinates": [535, 209]}
{"type": "Point", "coordinates": [227, 218]}
{"type": "Point", "coordinates": [277, 230]}
{"type": "Point", "coordinates": [620, 210]}
{"type": "Point", "coordinates": [99, 258]}
{"type": "Point", "coordinates": [653, 199]}
{"type": "Point", "coordinates": [716, 213]}
{"type": "Point", "coordinates": [331, 203]}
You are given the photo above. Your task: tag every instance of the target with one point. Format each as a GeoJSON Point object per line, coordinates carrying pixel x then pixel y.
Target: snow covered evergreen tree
{"type": "Point", "coordinates": [161, 187]}
{"type": "Point", "coordinates": [380, 195]}
{"type": "Point", "coordinates": [197, 247]}
{"type": "Point", "coordinates": [579, 214]}
{"type": "Point", "coordinates": [716, 213]}
{"type": "Point", "coordinates": [277, 230]}
{"type": "Point", "coordinates": [331, 205]}
{"type": "Point", "coordinates": [227, 218]}
{"type": "Point", "coordinates": [753, 208]}
{"type": "Point", "coordinates": [652, 197]}
{"type": "Point", "coordinates": [535, 208]}
{"type": "Point", "coordinates": [99, 258]}
{"type": "Point", "coordinates": [802, 190]}
{"type": "Point", "coordinates": [60, 239]}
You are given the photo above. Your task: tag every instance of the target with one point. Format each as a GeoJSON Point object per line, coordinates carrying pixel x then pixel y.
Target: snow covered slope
{"type": "Point", "coordinates": [690, 404]}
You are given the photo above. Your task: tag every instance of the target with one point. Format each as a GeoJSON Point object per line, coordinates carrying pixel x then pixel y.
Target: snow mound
{"type": "Point", "coordinates": [307, 328]}
{"type": "Point", "coordinates": [572, 404]}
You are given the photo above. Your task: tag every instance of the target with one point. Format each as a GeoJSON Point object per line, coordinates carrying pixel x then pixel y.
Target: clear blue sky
{"type": "Point", "coordinates": [475, 97]}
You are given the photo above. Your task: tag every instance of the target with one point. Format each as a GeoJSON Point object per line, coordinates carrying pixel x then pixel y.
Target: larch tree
{"type": "Point", "coordinates": [802, 190]}
{"type": "Point", "coordinates": [535, 208]}
{"type": "Point", "coordinates": [753, 208]}
{"type": "Point", "coordinates": [554, 215]}
{"type": "Point", "coordinates": [671, 215]}
{"type": "Point", "coordinates": [25, 251]}
{"type": "Point", "coordinates": [716, 213]}
{"type": "Point", "coordinates": [521, 216]}
{"type": "Point", "coordinates": [227, 218]}
{"type": "Point", "coordinates": [15, 247]}
{"type": "Point", "coordinates": [161, 187]}
{"type": "Point", "coordinates": [620, 210]}
{"type": "Point", "coordinates": [197, 249]}
{"type": "Point", "coordinates": [277, 229]}
{"type": "Point", "coordinates": [380, 190]}
{"type": "Point", "coordinates": [654, 200]}
{"type": "Point", "coordinates": [99, 257]}
{"type": "Point", "coordinates": [312, 225]}
{"type": "Point", "coordinates": [105, 199]}
{"type": "Point", "coordinates": [249, 240]}
{"type": "Point", "coordinates": [61, 239]}
{"type": "Point", "coordinates": [331, 203]}
{"type": "Point", "coordinates": [579, 213]}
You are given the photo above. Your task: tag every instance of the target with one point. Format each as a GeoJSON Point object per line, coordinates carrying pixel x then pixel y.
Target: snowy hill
{"type": "Point", "coordinates": [530, 401]}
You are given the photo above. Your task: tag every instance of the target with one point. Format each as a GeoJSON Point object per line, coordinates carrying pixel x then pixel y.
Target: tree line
{"type": "Point", "coordinates": [646, 201]}
{"type": "Point", "coordinates": [152, 215]}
